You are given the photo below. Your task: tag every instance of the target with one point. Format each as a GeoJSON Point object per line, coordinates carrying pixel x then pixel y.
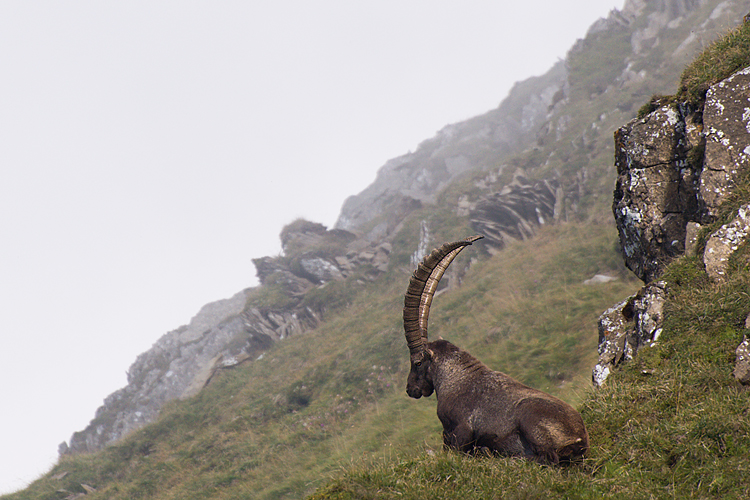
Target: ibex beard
{"type": "Point", "coordinates": [482, 409]}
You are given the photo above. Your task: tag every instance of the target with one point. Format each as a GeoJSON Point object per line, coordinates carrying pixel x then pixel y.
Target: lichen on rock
{"type": "Point", "coordinates": [656, 190]}
{"type": "Point", "coordinates": [742, 362]}
{"type": "Point", "coordinates": [726, 120]}
{"type": "Point", "coordinates": [627, 327]}
{"type": "Point", "coordinates": [724, 242]}
{"type": "Point", "coordinates": [675, 168]}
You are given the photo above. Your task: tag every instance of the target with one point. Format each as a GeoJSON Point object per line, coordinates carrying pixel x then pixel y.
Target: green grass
{"type": "Point", "coordinates": [281, 426]}
{"type": "Point", "coordinates": [720, 60]}
{"type": "Point", "coordinates": [671, 424]}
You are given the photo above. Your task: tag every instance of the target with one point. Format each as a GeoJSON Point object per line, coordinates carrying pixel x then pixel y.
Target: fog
{"type": "Point", "coordinates": [151, 149]}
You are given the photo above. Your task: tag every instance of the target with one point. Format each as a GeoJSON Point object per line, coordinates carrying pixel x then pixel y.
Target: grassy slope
{"type": "Point", "coordinates": [278, 427]}
{"type": "Point", "coordinates": [671, 424]}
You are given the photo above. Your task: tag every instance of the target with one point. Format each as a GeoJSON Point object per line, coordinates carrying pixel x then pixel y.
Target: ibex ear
{"type": "Point", "coordinates": [430, 353]}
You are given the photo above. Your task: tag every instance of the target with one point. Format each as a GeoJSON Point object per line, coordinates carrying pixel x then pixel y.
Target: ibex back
{"type": "Point", "coordinates": [482, 409]}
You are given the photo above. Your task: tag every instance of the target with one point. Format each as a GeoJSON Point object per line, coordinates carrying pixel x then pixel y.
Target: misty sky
{"type": "Point", "coordinates": [150, 149]}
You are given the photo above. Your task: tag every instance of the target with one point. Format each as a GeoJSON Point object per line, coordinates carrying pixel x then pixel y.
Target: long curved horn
{"type": "Point", "coordinates": [422, 286]}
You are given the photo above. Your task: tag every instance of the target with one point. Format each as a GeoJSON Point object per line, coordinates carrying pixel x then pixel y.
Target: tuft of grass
{"type": "Point", "coordinates": [718, 61]}
{"type": "Point", "coordinates": [447, 475]}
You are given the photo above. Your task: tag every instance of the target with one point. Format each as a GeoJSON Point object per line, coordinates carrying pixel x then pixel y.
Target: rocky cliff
{"type": "Point", "coordinates": [236, 330]}
{"type": "Point", "coordinates": [677, 167]}
{"type": "Point", "coordinates": [542, 157]}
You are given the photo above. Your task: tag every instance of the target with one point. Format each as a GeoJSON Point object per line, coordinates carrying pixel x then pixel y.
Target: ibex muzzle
{"type": "Point", "coordinates": [482, 409]}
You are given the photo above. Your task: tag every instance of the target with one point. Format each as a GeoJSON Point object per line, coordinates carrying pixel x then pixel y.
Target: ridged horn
{"type": "Point", "coordinates": [422, 286]}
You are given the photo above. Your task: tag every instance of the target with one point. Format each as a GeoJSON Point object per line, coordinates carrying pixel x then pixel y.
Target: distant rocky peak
{"type": "Point", "coordinates": [416, 179]}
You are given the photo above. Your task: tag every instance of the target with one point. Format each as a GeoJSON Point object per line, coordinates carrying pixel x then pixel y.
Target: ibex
{"type": "Point", "coordinates": [481, 409]}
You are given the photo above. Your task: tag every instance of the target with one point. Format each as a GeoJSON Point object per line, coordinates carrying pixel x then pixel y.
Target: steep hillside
{"type": "Point", "coordinates": [671, 419]}
{"type": "Point", "coordinates": [543, 156]}
{"type": "Point", "coordinates": [266, 394]}
{"type": "Point", "coordinates": [275, 428]}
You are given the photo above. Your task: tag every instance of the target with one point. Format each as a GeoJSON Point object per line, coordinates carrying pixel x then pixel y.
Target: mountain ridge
{"type": "Point", "coordinates": [505, 199]}
{"type": "Point", "coordinates": [350, 279]}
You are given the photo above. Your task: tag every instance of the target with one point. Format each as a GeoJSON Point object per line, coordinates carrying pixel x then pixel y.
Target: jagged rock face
{"type": "Point", "coordinates": [228, 332]}
{"type": "Point", "coordinates": [626, 327]}
{"type": "Point", "coordinates": [180, 364]}
{"type": "Point", "coordinates": [656, 189]}
{"type": "Point", "coordinates": [515, 212]}
{"type": "Point", "coordinates": [726, 120]}
{"type": "Point", "coordinates": [316, 256]}
{"type": "Point", "coordinates": [164, 373]}
{"type": "Point", "coordinates": [663, 185]}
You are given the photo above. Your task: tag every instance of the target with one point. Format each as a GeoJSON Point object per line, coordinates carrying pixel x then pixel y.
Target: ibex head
{"type": "Point", "coordinates": [417, 302]}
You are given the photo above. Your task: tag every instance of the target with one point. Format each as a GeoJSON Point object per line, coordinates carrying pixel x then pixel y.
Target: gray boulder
{"type": "Point", "coordinates": [634, 323]}
{"type": "Point", "coordinates": [724, 242]}
{"type": "Point", "coordinates": [614, 327]}
{"type": "Point", "coordinates": [656, 189]}
{"type": "Point", "coordinates": [742, 362]}
{"type": "Point", "coordinates": [726, 122]}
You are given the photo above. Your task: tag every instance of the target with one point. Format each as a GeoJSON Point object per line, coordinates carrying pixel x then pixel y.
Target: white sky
{"type": "Point", "coordinates": [150, 149]}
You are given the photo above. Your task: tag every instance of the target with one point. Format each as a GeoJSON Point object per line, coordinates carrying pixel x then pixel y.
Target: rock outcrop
{"type": "Point", "coordinates": [626, 327]}
{"type": "Point", "coordinates": [167, 371]}
{"type": "Point", "coordinates": [656, 192]}
{"type": "Point", "coordinates": [228, 332]}
{"type": "Point", "coordinates": [314, 255]}
{"type": "Point", "coordinates": [676, 166]}
{"type": "Point", "coordinates": [516, 211]}
{"type": "Point", "coordinates": [726, 124]}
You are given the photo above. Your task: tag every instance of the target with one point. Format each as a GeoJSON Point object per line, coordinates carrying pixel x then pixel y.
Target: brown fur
{"type": "Point", "coordinates": [481, 409]}
{"type": "Point", "coordinates": [485, 410]}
